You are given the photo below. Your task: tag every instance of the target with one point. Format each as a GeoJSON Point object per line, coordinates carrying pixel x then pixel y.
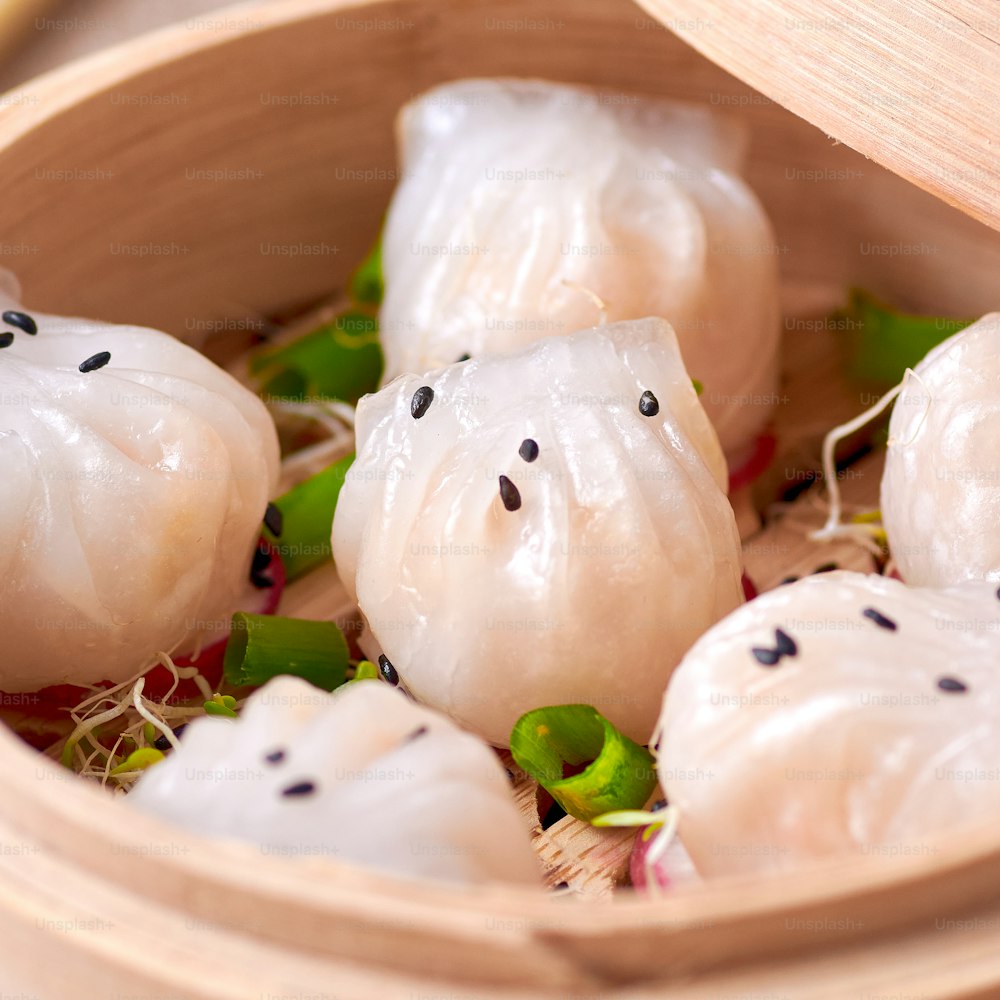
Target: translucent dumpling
{"type": "Point", "coordinates": [540, 528]}
{"type": "Point", "coordinates": [135, 476]}
{"type": "Point", "coordinates": [844, 714]}
{"type": "Point", "coordinates": [361, 775]}
{"type": "Point", "coordinates": [524, 202]}
{"type": "Point", "coordinates": [941, 486]}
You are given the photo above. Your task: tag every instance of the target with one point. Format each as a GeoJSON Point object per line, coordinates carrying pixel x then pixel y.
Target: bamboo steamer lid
{"type": "Point", "coordinates": [913, 84]}
{"type": "Point", "coordinates": [91, 893]}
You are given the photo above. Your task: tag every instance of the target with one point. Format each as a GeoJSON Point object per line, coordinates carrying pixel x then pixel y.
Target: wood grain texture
{"type": "Point", "coordinates": [910, 83]}
{"type": "Point", "coordinates": [93, 894]}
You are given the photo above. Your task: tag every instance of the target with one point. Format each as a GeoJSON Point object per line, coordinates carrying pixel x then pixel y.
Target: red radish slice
{"type": "Point", "coordinates": [756, 464]}
{"type": "Point", "coordinates": [672, 869]}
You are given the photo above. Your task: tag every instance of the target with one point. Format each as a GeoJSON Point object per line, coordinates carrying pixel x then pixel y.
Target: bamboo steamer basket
{"type": "Point", "coordinates": [233, 168]}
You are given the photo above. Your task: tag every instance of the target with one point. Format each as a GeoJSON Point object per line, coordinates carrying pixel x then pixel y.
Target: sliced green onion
{"type": "Point", "coordinates": [886, 341]}
{"type": "Point", "coordinates": [307, 520]}
{"type": "Point", "coordinates": [340, 360]}
{"type": "Point", "coordinates": [621, 774]}
{"type": "Point", "coordinates": [263, 646]}
{"type": "Point", "coordinates": [366, 285]}
{"type": "Point", "coordinates": [138, 760]}
{"type": "Point", "coordinates": [699, 388]}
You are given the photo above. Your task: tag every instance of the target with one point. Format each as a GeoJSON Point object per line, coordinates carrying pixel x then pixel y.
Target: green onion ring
{"type": "Point", "coordinates": [621, 775]}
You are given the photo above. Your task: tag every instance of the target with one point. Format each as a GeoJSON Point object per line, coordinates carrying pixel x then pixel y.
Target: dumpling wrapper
{"type": "Point", "coordinates": [623, 551]}
{"type": "Point", "coordinates": [851, 746]}
{"type": "Point", "coordinates": [523, 199]}
{"type": "Point", "coordinates": [132, 498]}
{"type": "Point", "coordinates": [395, 786]}
{"type": "Point", "coordinates": [940, 496]}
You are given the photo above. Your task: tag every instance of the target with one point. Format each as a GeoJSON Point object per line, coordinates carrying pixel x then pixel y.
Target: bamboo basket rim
{"type": "Point", "coordinates": [76, 813]}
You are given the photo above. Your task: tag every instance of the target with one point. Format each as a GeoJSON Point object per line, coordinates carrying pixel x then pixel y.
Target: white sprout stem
{"type": "Point", "coordinates": [111, 756]}
{"type": "Point", "coordinates": [88, 725]}
{"type": "Point", "coordinates": [203, 686]}
{"type": "Point", "coordinates": [298, 467]}
{"type": "Point", "coordinates": [149, 717]}
{"type": "Point", "coordinates": [331, 413]}
{"type": "Point", "coordinates": [833, 527]}
{"type": "Point", "coordinates": [165, 660]}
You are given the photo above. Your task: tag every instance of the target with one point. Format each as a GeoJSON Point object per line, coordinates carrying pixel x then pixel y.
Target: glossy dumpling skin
{"type": "Point", "coordinates": [860, 743]}
{"type": "Point", "coordinates": [622, 551]}
{"type": "Point", "coordinates": [132, 498]}
{"type": "Point", "coordinates": [518, 194]}
{"type": "Point", "coordinates": [941, 485]}
{"type": "Point", "coordinates": [394, 785]}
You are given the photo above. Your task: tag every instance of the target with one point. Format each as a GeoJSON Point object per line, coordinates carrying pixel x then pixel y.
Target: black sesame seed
{"type": "Point", "coordinates": [21, 320]}
{"type": "Point", "coordinates": [6, 338]}
{"type": "Point", "coordinates": [785, 644]}
{"type": "Point", "coordinates": [658, 805]}
{"type": "Point", "coordinates": [299, 789]}
{"type": "Point", "coordinates": [879, 619]}
{"type": "Point", "coordinates": [261, 560]}
{"type": "Point", "coordinates": [387, 670]}
{"type": "Point", "coordinates": [162, 744]}
{"type": "Point", "coordinates": [998, 593]}
{"type": "Point", "coordinates": [528, 450]}
{"type": "Point", "coordinates": [952, 685]}
{"type": "Point", "coordinates": [464, 357]}
{"type": "Point", "coordinates": [510, 775]}
{"type": "Point", "coordinates": [560, 885]}
{"type": "Point", "coordinates": [275, 756]}
{"type": "Point", "coordinates": [788, 579]}
{"type": "Point", "coordinates": [95, 361]}
{"type": "Point", "coordinates": [826, 568]}
{"type": "Point", "coordinates": [509, 494]}
{"type": "Point", "coordinates": [649, 405]}
{"type": "Point", "coordinates": [766, 657]}
{"type": "Point", "coordinates": [422, 399]}
{"type": "Point", "coordinates": [416, 734]}
{"type": "Point", "coordinates": [274, 520]}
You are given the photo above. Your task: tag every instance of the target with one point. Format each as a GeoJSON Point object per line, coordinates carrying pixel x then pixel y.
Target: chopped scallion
{"type": "Point", "coordinates": [263, 646]}
{"type": "Point", "coordinates": [366, 285]}
{"type": "Point", "coordinates": [620, 773]}
{"type": "Point", "coordinates": [886, 341]}
{"type": "Point", "coordinates": [307, 520]}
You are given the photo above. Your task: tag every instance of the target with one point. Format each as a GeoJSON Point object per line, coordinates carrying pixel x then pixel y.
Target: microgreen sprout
{"type": "Point", "coordinates": [224, 705]}
{"type": "Point", "coordinates": [124, 714]}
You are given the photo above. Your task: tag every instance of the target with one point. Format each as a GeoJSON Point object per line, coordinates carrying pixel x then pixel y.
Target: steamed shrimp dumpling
{"type": "Point", "coordinates": [132, 493]}
{"type": "Point", "coordinates": [843, 714]}
{"type": "Point", "coordinates": [522, 200]}
{"type": "Point", "coordinates": [940, 495]}
{"type": "Point", "coordinates": [361, 775]}
{"type": "Point", "coordinates": [543, 527]}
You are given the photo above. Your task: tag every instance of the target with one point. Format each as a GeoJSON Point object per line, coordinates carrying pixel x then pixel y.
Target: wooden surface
{"type": "Point", "coordinates": [91, 893]}
{"type": "Point", "coordinates": [910, 83]}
